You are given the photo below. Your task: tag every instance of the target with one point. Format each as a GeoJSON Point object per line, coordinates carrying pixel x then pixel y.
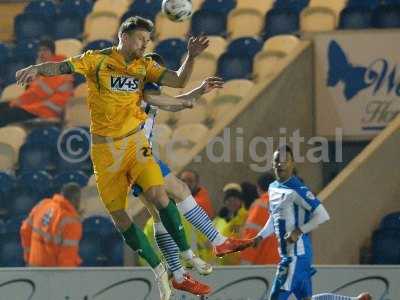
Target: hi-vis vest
{"type": "Point", "coordinates": [46, 96]}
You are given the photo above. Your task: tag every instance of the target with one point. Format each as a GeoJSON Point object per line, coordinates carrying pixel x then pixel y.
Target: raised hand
{"type": "Point", "coordinates": [26, 75]}
{"type": "Point", "coordinates": [211, 83]}
{"type": "Point", "coordinates": [197, 45]}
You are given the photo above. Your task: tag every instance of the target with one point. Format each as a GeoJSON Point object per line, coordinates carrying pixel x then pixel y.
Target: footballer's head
{"type": "Point", "coordinates": [283, 163]}
{"type": "Point", "coordinates": [156, 57]}
{"type": "Point", "coordinates": [134, 35]}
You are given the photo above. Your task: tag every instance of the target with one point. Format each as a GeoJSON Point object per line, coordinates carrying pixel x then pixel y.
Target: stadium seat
{"type": "Point", "coordinates": [91, 203]}
{"type": "Point", "coordinates": [316, 19]}
{"type": "Point", "coordinates": [99, 224]}
{"type": "Point", "coordinates": [355, 18]}
{"type": "Point", "coordinates": [208, 23]}
{"type": "Point", "coordinates": [283, 44]}
{"type": "Point", "coordinates": [23, 199]}
{"type": "Point", "coordinates": [78, 79]}
{"type": "Point", "coordinates": [32, 26]}
{"type": "Point", "coordinates": [13, 224]}
{"type": "Point", "coordinates": [70, 177]}
{"type": "Point", "coordinates": [245, 46]}
{"type": "Point", "coordinates": [386, 247]}
{"type": "Point", "coordinates": [91, 250]}
{"type": "Point", "coordinates": [386, 16]}
{"type": "Point", "coordinates": [391, 2]}
{"type": "Point", "coordinates": [26, 50]}
{"type": "Point", "coordinates": [146, 8]}
{"type": "Point", "coordinates": [11, 253]}
{"type": "Point", "coordinates": [77, 113]}
{"type": "Point", "coordinates": [267, 64]}
{"type": "Point", "coordinates": [41, 181]}
{"type": "Point", "coordinates": [172, 51]}
{"type": "Point", "coordinates": [162, 134]}
{"type": "Point", "coordinates": [261, 6]}
{"type": "Point", "coordinates": [217, 46]}
{"type": "Point", "coordinates": [371, 4]}
{"type": "Point", "coordinates": [68, 26]}
{"type": "Point", "coordinates": [391, 221]}
{"type": "Point", "coordinates": [13, 136]}
{"type": "Point", "coordinates": [165, 29]}
{"type": "Point", "coordinates": [36, 157]}
{"type": "Point", "coordinates": [205, 65]}
{"type": "Point", "coordinates": [8, 157]}
{"type": "Point", "coordinates": [198, 114]}
{"type": "Point", "coordinates": [4, 53]}
{"type": "Point", "coordinates": [68, 47]}
{"type": "Point", "coordinates": [44, 8]}
{"type": "Point", "coordinates": [219, 6]}
{"type": "Point", "coordinates": [101, 26]}
{"type": "Point", "coordinates": [114, 250]}
{"type": "Point", "coordinates": [114, 6]}
{"type": "Point", "coordinates": [295, 5]}
{"type": "Point", "coordinates": [13, 65]}
{"type": "Point", "coordinates": [81, 91]}
{"type": "Point", "coordinates": [244, 22]}
{"type": "Point", "coordinates": [165, 117]}
{"type": "Point", "coordinates": [7, 185]}
{"type": "Point", "coordinates": [336, 5]}
{"type": "Point", "coordinates": [231, 66]}
{"type": "Point", "coordinates": [47, 136]}
{"type": "Point", "coordinates": [190, 132]}
{"type": "Point", "coordinates": [97, 45]}
{"type": "Point", "coordinates": [196, 4]}
{"type": "Point", "coordinates": [80, 7]}
{"type": "Point", "coordinates": [280, 21]}
{"type": "Point", "coordinates": [11, 91]}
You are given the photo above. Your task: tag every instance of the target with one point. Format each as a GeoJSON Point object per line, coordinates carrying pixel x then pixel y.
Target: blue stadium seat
{"type": "Point", "coordinates": [77, 177]}
{"type": "Point", "coordinates": [45, 8]}
{"type": "Point", "coordinates": [386, 247]}
{"type": "Point", "coordinates": [24, 199]}
{"type": "Point", "coordinates": [220, 6]}
{"type": "Point", "coordinates": [98, 45]}
{"type": "Point", "coordinates": [26, 50]}
{"type": "Point", "coordinates": [114, 250]}
{"type": "Point", "coordinates": [232, 66]}
{"type": "Point", "coordinates": [280, 21]}
{"type": "Point", "coordinates": [41, 181]}
{"type": "Point", "coordinates": [7, 185]}
{"type": "Point", "coordinates": [386, 16]}
{"type": "Point", "coordinates": [32, 26]}
{"type": "Point", "coordinates": [391, 2]}
{"type": "Point", "coordinates": [371, 4]}
{"type": "Point", "coordinates": [13, 65]}
{"type": "Point", "coordinates": [245, 46]}
{"type": "Point", "coordinates": [13, 224]}
{"type": "Point", "coordinates": [36, 157]}
{"type": "Point", "coordinates": [391, 221]}
{"type": "Point", "coordinates": [296, 5]}
{"type": "Point", "coordinates": [146, 8]}
{"type": "Point", "coordinates": [172, 51]}
{"type": "Point", "coordinates": [68, 25]}
{"type": "Point", "coordinates": [91, 250]}
{"type": "Point", "coordinates": [11, 253]}
{"type": "Point", "coordinates": [99, 224]}
{"type": "Point", "coordinates": [208, 23]}
{"type": "Point", "coordinates": [355, 18]}
{"type": "Point", "coordinates": [80, 7]}
{"type": "Point", "coordinates": [47, 136]}
{"type": "Point", "coordinates": [4, 53]}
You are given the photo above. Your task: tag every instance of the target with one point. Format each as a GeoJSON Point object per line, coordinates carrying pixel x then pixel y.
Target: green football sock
{"type": "Point", "coordinates": [136, 239]}
{"type": "Point", "coordinates": [172, 222]}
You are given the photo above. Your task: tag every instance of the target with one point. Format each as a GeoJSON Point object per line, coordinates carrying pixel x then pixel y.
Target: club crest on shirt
{"type": "Point", "coordinates": [124, 83]}
{"type": "Point", "coordinates": [310, 195]}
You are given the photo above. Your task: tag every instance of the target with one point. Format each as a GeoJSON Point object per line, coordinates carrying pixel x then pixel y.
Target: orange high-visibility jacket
{"type": "Point", "coordinates": [50, 235]}
{"type": "Point", "coordinates": [46, 96]}
{"type": "Point", "coordinates": [204, 201]}
{"type": "Point", "coordinates": [267, 252]}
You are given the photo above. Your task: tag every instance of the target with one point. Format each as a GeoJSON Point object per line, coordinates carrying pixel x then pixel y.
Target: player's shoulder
{"type": "Point", "coordinates": [301, 189]}
{"type": "Point", "coordinates": [98, 53]}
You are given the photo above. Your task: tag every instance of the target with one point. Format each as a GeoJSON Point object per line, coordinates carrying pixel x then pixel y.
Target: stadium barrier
{"type": "Point", "coordinates": [233, 283]}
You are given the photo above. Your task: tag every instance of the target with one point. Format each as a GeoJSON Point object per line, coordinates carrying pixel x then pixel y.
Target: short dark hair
{"type": "Point", "coordinates": [285, 149]}
{"type": "Point", "coordinates": [156, 57]}
{"type": "Point", "coordinates": [135, 23]}
{"type": "Point", "coordinates": [249, 193]}
{"type": "Point", "coordinates": [72, 192]}
{"type": "Point", "coordinates": [265, 180]}
{"type": "Point", "coordinates": [48, 43]}
{"type": "Point", "coordinates": [196, 175]}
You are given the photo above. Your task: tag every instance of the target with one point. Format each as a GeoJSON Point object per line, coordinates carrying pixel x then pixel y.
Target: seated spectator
{"type": "Point", "coordinates": [51, 234]}
{"type": "Point", "coordinates": [267, 252]}
{"type": "Point", "coordinates": [44, 98]}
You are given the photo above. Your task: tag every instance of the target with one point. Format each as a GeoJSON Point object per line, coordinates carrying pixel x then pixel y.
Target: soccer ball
{"type": "Point", "coordinates": [177, 10]}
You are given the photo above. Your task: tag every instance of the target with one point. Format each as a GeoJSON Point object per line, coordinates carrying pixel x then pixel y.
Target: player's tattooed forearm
{"type": "Point", "coordinates": [65, 68]}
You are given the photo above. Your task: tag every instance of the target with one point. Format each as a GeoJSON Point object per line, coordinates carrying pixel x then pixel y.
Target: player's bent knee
{"type": "Point", "coordinates": [121, 219]}
{"type": "Point", "coordinates": [157, 196]}
{"type": "Point", "coordinates": [176, 188]}
{"type": "Point", "coordinates": [151, 209]}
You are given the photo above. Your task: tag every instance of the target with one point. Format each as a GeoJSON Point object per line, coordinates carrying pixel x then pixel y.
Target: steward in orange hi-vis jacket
{"type": "Point", "coordinates": [50, 235]}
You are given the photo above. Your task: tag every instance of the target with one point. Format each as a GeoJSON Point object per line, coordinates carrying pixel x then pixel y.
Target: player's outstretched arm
{"type": "Point", "coordinates": [178, 79]}
{"type": "Point", "coordinates": [26, 75]}
{"type": "Point", "coordinates": [168, 103]}
{"type": "Point", "coordinates": [205, 87]}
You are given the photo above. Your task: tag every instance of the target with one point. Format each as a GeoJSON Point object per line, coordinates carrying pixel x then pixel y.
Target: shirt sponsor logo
{"type": "Point", "coordinates": [123, 83]}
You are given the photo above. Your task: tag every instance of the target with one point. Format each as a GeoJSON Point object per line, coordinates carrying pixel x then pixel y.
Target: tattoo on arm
{"type": "Point", "coordinates": [52, 69]}
{"type": "Point", "coordinates": [65, 68]}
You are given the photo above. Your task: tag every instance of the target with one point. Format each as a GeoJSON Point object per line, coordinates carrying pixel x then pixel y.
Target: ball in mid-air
{"type": "Point", "coordinates": [177, 10]}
